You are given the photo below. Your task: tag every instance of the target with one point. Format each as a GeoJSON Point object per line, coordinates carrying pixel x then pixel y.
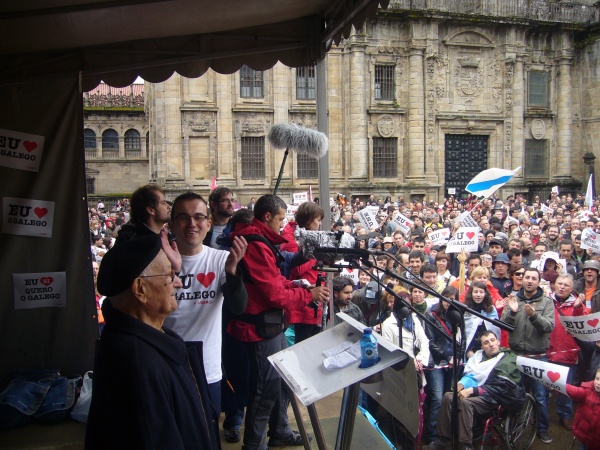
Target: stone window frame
{"type": "Point", "coordinates": [252, 157]}
{"type": "Point", "coordinates": [306, 167]}
{"type": "Point", "coordinates": [132, 141]}
{"type": "Point", "coordinates": [90, 185]}
{"type": "Point", "coordinates": [391, 67]}
{"type": "Point", "coordinates": [385, 157]}
{"type": "Point", "coordinates": [531, 74]}
{"type": "Point", "coordinates": [536, 159]}
{"type": "Point", "coordinates": [108, 149]}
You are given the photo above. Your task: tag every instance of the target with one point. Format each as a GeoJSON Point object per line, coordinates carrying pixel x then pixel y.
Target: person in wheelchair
{"type": "Point", "coordinates": [491, 378]}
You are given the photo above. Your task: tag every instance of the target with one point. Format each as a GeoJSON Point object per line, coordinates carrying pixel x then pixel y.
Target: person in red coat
{"type": "Point", "coordinates": [586, 427]}
{"type": "Point", "coordinates": [308, 216]}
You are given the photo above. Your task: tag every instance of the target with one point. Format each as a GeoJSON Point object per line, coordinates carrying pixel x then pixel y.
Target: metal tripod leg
{"type": "Point", "coordinates": [347, 417]}
{"type": "Point", "coordinates": [298, 416]}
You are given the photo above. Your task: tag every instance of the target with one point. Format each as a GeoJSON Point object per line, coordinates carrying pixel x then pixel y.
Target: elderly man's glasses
{"type": "Point", "coordinates": [171, 275]}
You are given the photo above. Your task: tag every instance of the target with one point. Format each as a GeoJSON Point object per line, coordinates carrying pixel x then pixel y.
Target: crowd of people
{"type": "Point", "coordinates": [240, 284]}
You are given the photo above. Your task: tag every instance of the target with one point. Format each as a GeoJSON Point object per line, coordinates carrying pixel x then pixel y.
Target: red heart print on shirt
{"type": "Point", "coordinates": [206, 278]}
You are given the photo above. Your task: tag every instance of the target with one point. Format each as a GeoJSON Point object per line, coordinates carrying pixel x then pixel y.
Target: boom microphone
{"type": "Point", "coordinates": [309, 240]}
{"type": "Point", "coordinates": [299, 139]}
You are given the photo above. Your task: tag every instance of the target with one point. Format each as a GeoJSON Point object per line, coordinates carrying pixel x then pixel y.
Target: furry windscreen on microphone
{"type": "Point", "coordinates": [299, 139]}
{"type": "Point", "coordinates": [309, 240]}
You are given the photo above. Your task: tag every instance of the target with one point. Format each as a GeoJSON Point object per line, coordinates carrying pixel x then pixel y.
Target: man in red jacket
{"type": "Point", "coordinates": [563, 348]}
{"type": "Point", "coordinates": [261, 326]}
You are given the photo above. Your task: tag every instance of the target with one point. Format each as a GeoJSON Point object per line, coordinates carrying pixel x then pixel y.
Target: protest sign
{"type": "Point", "coordinates": [555, 257]}
{"type": "Point", "coordinates": [465, 238]}
{"type": "Point", "coordinates": [300, 197]}
{"type": "Point", "coordinates": [550, 375]}
{"type": "Point", "coordinates": [367, 219]}
{"type": "Point", "coordinates": [404, 223]}
{"type": "Point", "coordinates": [21, 150]}
{"type": "Point", "coordinates": [546, 209]}
{"type": "Point", "coordinates": [585, 328]}
{"type": "Point", "coordinates": [373, 209]}
{"type": "Point", "coordinates": [466, 220]}
{"type": "Point", "coordinates": [27, 217]}
{"type": "Point", "coordinates": [589, 239]}
{"type": "Point", "coordinates": [440, 236]}
{"type": "Point", "coordinates": [40, 290]}
{"type": "Point", "coordinates": [291, 210]}
{"type": "Point", "coordinates": [348, 272]}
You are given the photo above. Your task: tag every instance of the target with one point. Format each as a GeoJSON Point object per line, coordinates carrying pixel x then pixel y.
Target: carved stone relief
{"type": "Point", "coordinates": [386, 126]}
{"type": "Point", "coordinates": [468, 77]}
{"type": "Point", "coordinates": [201, 122]}
{"type": "Point", "coordinates": [305, 120]}
{"type": "Point", "coordinates": [253, 123]}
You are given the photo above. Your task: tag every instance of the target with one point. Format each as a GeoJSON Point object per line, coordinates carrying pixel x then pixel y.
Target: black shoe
{"type": "Point", "coordinates": [440, 444]}
{"type": "Point", "coordinates": [293, 439]}
{"type": "Point", "coordinates": [545, 437]}
{"type": "Point", "coordinates": [232, 435]}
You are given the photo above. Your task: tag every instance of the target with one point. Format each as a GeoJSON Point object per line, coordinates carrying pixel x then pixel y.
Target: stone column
{"type": "Point", "coordinates": [121, 146]}
{"type": "Point", "coordinates": [518, 95]}
{"type": "Point", "coordinates": [358, 143]}
{"type": "Point", "coordinates": [186, 159]}
{"type": "Point", "coordinates": [564, 117]}
{"type": "Point", "coordinates": [416, 115]}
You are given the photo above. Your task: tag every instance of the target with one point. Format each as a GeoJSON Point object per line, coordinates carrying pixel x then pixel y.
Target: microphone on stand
{"type": "Point", "coordinates": [290, 136]}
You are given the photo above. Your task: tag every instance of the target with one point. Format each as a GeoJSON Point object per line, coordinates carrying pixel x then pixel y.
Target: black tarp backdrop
{"type": "Point", "coordinates": [50, 52]}
{"type": "Point", "coordinates": [60, 338]}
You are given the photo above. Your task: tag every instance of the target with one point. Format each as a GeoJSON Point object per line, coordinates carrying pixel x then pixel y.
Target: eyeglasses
{"type": "Point", "coordinates": [171, 275]}
{"type": "Point", "coordinates": [197, 218]}
{"type": "Point", "coordinates": [519, 274]}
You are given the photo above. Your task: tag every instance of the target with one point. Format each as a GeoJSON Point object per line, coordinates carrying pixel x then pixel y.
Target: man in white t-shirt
{"type": "Point", "coordinates": [210, 278]}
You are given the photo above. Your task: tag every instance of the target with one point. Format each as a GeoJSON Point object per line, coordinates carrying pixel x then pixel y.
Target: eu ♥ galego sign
{"type": "Point", "coordinates": [27, 217]}
{"type": "Point", "coordinates": [21, 150]}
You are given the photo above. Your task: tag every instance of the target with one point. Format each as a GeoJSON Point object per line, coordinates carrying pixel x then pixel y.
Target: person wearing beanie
{"type": "Point", "coordinates": [150, 390]}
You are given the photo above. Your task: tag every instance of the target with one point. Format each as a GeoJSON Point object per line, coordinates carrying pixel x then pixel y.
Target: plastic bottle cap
{"type": "Point", "coordinates": [368, 331]}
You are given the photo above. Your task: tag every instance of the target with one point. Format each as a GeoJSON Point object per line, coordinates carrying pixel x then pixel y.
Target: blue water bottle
{"type": "Point", "coordinates": [368, 350]}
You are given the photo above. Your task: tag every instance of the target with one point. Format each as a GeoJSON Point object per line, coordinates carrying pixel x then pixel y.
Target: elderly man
{"type": "Point", "coordinates": [474, 390]}
{"type": "Point", "coordinates": [149, 386]}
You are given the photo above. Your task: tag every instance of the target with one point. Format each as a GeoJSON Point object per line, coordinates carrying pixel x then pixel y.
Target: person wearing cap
{"type": "Point", "coordinates": [496, 246]}
{"type": "Point", "coordinates": [149, 386]}
{"type": "Point", "coordinates": [589, 285]}
{"type": "Point", "coordinates": [500, 279]}
{"type": "Point", "coordinates": [388, 243]}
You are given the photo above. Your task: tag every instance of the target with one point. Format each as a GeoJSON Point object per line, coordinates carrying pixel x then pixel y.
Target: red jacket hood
{"type": "Point", "coordinates": [258, 227]}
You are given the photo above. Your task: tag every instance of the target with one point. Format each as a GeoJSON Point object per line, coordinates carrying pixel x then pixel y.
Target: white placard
{"type": "Point", "coordinates": [367, 219]}
{"type": "Point", "coordinates": [403, 222]}
{"type": "Point", "coordinates": [590, 239]}
{"type": "Point", "coordinates": [440, 236]}
{"type": "Point", "coordinates": [349, 272]}
{"type": "Point", "coordinates": [40, 290]}
{"type": "Point", "coordinates": [21, 150]}
{"type": "Point", "coordinates": [452, 191]}
{"type": "Point", "coordinates": [373, 209]}
{"type": "Point", "coordinates": [466, 238]}
{"type": "Point", "coordinates": [27, 217]}
{"type": "Point", "coordinates": [546, 209]}
{"type": "Point", "coordinates": [585, 328]}
{"type": "Point", "coordinates": [300, 197]}
{"type": "Point", "coordinates": [550, 375]}
{"type": "Point", "coordinates": [466, 220]}
{"type": "Point", "coordinates": [554, 256]}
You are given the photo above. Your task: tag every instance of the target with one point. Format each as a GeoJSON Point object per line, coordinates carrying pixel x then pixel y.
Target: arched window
{"type": "Point", "coordinates": [133, 144]}
{"type": "Point", "coordinates": [110, 144]}
{"type": "Point", "coordinates": [89, 143]}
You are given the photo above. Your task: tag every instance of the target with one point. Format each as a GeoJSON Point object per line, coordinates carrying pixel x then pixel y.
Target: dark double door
{"type": "Point", "coordinates": [466, 156]}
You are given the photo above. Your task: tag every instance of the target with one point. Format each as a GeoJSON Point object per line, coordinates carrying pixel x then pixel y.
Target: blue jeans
{"type": "Point", "coordinates": [540, 394]}
{"type": "Point", "coordinates": [439, 381]}
{"type": "Point", "coordinates": [214, 389]}
{"type": "Point", "coordinates": [233, 419]}
{"type": "Point", "coordinates": [564, 405]}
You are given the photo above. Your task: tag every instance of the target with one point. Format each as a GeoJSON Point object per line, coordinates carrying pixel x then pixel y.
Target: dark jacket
{"type": "Point", "coordinates": [532, 334]}
{"type": "Point", "coordinates": [440, 347]}
{"type": "Point", "coordinates": [130, 231]}
{"type": "Point", "coordinates": [150, 392]}
{"type": "Point", "coordinates": [595, 302]}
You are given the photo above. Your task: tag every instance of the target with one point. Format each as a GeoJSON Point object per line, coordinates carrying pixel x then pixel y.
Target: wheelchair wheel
{"type": "Point", "coordinates": [521, 428]}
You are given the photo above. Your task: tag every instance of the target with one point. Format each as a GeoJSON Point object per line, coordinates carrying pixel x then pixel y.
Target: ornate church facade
{"type": "Point", "coordinates": [419, 101]}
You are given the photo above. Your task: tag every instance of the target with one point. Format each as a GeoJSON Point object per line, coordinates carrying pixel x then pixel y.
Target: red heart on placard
{"type": "Point", "coordinates": [593, 323]}
{"type": "Point", "coordinates": [349, 270]}
{"type": "Point", "coordinates": [553, 376]}
{"type": "Point", "coordinates": [46, 281]}
{"type": "Point", "coordinates": [30, 146]}
{"type": "Point", "coordinates": [40, 212]}
{"type": "Point", "coordinates": [205, 278]}
{"type": "Point", "coordinates": [470, 234]}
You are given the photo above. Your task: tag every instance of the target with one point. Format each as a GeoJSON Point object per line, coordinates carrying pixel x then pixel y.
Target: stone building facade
{"type": "Point", "coordinates": [419, 101]}
{"type": "Point", "coordinates": [115, 140]}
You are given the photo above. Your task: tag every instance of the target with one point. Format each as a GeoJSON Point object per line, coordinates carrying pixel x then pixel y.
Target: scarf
{"type": "Point", "coordinates": [421, 308]}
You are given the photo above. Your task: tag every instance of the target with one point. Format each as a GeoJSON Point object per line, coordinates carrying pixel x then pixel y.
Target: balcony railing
{"type": "Point", "coordinates": [536, 10]}
{"type": "Point", "coordinates": [91, 153]}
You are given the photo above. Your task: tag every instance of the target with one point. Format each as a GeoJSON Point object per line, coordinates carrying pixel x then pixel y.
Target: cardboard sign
{"type": "Point", "coordinates": [465, 238]}
{"type": "Point", "coordinates": [40, 290]}
{"type": "Point", "coordinates": [546, 209]}
{"type": "Point", "coordinates": [440, 236]}
{"type": "Point", "coordinates": [550, 375]}
{"type": "Point", "coordinates": [585, 328]}
{"type": "Point", "coordinates": [373, 209]}
{"type": "Point", "coordinates": [367, 219]}
{"type": "Point", "coordinates": [290, 212]}
{"type": "Point", "coordinates": [403, 222]}
{"type": "Point", "coordinates": [349, 272]}
{"type": "Point", "coordinates": [591, 240]}
{"type": "Point", "coordinates": [21, 150]}
{"type": "Point", "coordinates": [300, 197]}
{"type": "Point", "coordinates": [466, 220]}
{"type": "Point", "coordinates": [554, 256]}
{"type": "Point", "coordinates": [27, 217]}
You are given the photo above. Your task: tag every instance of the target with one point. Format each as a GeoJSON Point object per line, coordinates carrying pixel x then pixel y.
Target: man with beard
{"type": "Point", "coordinates": [220, 202]}
{"type": "Point", "coordinates": [532, 315]}
{"type": "Point", "coordinates": [342, 300]}
{"type": "Point", "coordinates": [566, 253]}
{"type": "Point", "coordinates": [564, 350]}
{"type": "Point", "coordinates": [589, 285]}
{"type": "Point", "coordinates": [553, 241]}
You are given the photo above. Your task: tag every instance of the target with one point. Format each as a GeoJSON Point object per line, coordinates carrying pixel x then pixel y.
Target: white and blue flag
{"type": "Point", "coordinates": [489, 181]}
{"type": "Point", "coordinates": [589, 193]}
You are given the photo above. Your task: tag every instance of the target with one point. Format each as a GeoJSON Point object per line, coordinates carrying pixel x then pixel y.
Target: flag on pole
{"type": "Point", "coordinates": [310, 197]}
{"type": "Point", "coordinates": [213, 185]}
{"type": "Point", "coordinates": [489, 181]}
{"type": "Point", "coordinates": [589, 194]}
